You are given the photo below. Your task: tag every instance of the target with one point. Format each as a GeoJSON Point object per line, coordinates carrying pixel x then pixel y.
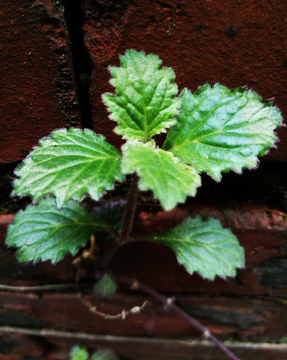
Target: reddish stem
{"type": "Point", "coordinates": [134, 284]}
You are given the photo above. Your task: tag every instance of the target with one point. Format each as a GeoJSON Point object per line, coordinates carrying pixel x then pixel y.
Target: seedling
{"type": "Point", "coordinates": [80, 353]}
{"type": "Point", "coordinates": [213, 130]}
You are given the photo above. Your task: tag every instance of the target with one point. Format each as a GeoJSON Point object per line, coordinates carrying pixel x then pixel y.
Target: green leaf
{"type": "Point", "coordinates": [106, 286]}
{"type": "Point", "coordinates": [42, 232]}
{"type": "Point", "coordinates": [79, 353]}
{"type": "Point", "coordinates": [159, 171]}
{"type": "Point", "coordinates": [220, 130]}
{"type": "Point", "coordinates": [104, 354]}
{"type": "Point", "coordinates": [69, 164]}
{"type": "Point", "coordinates": [144, 103]}
{"type": "Point", "coordinates": [204, 246]}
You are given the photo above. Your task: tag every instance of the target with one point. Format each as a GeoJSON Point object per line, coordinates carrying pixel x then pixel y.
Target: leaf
{"type": "Point", "coordinates": [106, 286]}
{"type": "Point", "coordinates": [111, 211]}
{"type": "Point", "coordinates": [79, 353]}
{"type": "Point", "coordinates": [42, 232]}
{"type": "Point", "coordinates": [220, 130]}
{"type": "Point", "coordinates": [69, 164]}
{"type": "Point", "coordinates": [159, 171]}
{"type": "Point", "coordinates": [204, 246]}
{"type": "Point", "coordinates": [144, 103]}
{"type": "Point", "coordinates": [104, 354]}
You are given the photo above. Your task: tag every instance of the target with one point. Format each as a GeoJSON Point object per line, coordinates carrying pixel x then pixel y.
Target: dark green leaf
{"type": "Point", "coordinates": [204, 246]}
{"type": "Point", "coordinates": [42, 232]}
{"type": "Point", "coordinates": [111, 211]}
{"type": "Point", "coordinates": [69, 164]}
{"type": "Point", "coordinates": [220, 130]}
{"type": "Point", "coordinates": [144, 103]}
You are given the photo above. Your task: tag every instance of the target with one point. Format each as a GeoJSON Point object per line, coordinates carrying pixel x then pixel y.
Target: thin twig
{"type": "Point", "coordinates": [169, 304]}
{"type": "Point", "coordinates": [125, 341]}
{"type": "Point", "coordinates": [274, 211]}
{"type": "Point", "coordinates": [122, 315]}
{"type": "Point", "coordinates": [113, 233]}
{"type": "Point", "coordinates": [87, 254]}
{"type": "Point", "coordinates": [265, 208]}
{"type": "Point", "coordinates": [38, 287]}
{"type": "Point", "coordinates": [93, 247]}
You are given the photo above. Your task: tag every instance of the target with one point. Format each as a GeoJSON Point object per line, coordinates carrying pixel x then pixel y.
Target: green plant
{"type": "Point", "coordinates": [80, 353]}
{"type": "Point", "coordinates": [213, 130]}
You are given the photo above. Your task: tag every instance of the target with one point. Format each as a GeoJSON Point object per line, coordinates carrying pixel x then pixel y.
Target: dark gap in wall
{"type": "Point", "coordinates": [10, 204]}
{"type": "Point", "coordinates": [81, 59]}
{"type": "Point", "coordinates": [265, 186]}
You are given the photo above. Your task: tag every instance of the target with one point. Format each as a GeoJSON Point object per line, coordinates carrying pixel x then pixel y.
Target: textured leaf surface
{"type": "Point", "coordinates": [144, 103]}
{"type": "Point", "coordinates": [104, 354]}
{"type": "Point", "coordinates": [204, 246]}
{"type": "Point", "coordinates": [79, 353]}
{"type": "Point", "coordinates": [69, 164]}
{"type": "Point", "coordinates": [42, 232]}
{"type": "Point", "coordinates": [159, 171]}
{"type": "Point", "coordinates": [219, 130]}
{"type": "Point", "coordinates": [106, 286]}
{"type": "Point", "coordinates": [112, 212]}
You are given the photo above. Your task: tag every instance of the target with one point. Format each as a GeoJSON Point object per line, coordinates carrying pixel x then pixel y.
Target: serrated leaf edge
{"type": "Point", "coordinates": [120, 129]}
{"type": "Point", "coordinates": [156, 236]}
{"type": "Point", "coordinates": [30, 158]}
{"type": "Point", "coordinates": [105, 227]}
{"type": "Point", "coordinates": [152, 145]}
{"type": "Point", "coordinates": [244, 89]}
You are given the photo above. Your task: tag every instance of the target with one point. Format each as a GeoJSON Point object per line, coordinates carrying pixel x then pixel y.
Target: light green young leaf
{"type": "Point", "coordinates": [42, 232]}
{"type": "Point", "coordinates": [79, 353]}
{"type": "Point", "coordinates": [105, 286]}
{"type": "Point", "coordinates": [204, 246]}
{"type": "Point", "coordinates": [159, 171]}
{"type": "Point", "coordinates": [69, 164]}
{"type": "Point", "coordinates": [144, 103]}
{"type": "Point", "coordinates": [220, 130]}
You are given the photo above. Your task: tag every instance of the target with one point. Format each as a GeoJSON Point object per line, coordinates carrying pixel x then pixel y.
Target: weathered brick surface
{"type": "Point", "coordinates": [58, 345]}
{"type": "Point", "coordinates": [17, 346]}
{"type": "Point", "coordinates": [37, 90]}
{"type": "Point", "coordinates": [262, 233]}
{"type": "Point", "coordinates": [236, 43]}
{"type": "Point", "coordinates": [248, 318]}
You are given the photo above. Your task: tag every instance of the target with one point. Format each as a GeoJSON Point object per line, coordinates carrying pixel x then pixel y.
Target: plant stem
{"type": "Point", "coordinates": [169, 304]}
{"type": "Point", "coordinates": [114, 233]}
{"type": "Point", "coordinates": [130, 210]}
{"type": "Point", "coordinates": [123, 237]}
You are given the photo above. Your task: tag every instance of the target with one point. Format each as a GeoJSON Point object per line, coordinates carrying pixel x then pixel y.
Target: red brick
{"type": "Point", "coordinates": [234, 43]}
{"type": "Point", "coordinates": [241, 318]}
{"type": "Point", "coordinates": [17, 346]}
{"type": "Point", "coordinates": [37, 90]}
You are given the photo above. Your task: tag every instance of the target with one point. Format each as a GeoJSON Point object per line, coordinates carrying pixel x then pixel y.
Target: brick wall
{"type": "Point", "coordinates": [54, 67]}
